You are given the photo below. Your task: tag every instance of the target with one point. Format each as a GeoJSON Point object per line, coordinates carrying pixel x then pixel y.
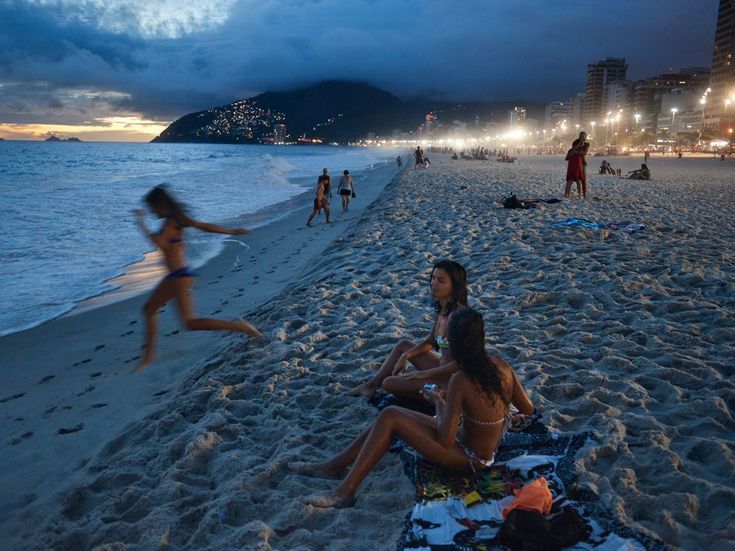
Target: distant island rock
{"type": "Point", "coordinates": [57, 139]}
{"type": "Point", "coordinates": [331, 111]}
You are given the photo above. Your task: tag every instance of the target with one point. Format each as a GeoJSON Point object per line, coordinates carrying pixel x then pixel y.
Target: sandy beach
{"type": "Point", "coordinates": [630, 336]}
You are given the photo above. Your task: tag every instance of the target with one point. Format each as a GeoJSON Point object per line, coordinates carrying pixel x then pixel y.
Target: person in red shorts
{"type": "Point", "coordinates": [323, 187]}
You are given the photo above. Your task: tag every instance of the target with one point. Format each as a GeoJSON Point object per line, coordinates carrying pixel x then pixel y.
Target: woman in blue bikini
{"type": "Point", "coordinates": [471, 418]}
{"type": "Point", "coordinates": [180, 277]}
{"type": "Point", "coordinates": [431, 357]}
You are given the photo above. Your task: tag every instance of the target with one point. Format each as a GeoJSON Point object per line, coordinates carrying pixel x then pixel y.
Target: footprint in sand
{"type": "Point", "coordinates": [87, 390]}
{"type": "Point", "coordinates": [212, 313]}
{"type": "Point", "coordinates": [46, 379]}
{"type": "Point", "coordinates": [133, 322]}
{"type": "Point", "coordinates": [96, 374]}
{"type": "Point", "coordinates": [85, 361]}
{"type": "Point", "coordinates": [25, 436]}
{"type": "Point", "coordinates": [172, 333]}
{"type": "Point", "coordinates": [133, 359]}
{"type": "Point", "coordinates": [49, 411]}
{"type": "Point", "coordinates": [99, 347]}
{"type": "Point", "coordinates": [97, 406]}
{"type": "Point", "coordinates": [126, 334]}
{"type": "Point", "coordinates": [160, 392]}
{"type": "Point", "coordinates": [75, 428]}
{"type": "Point", "coordinates": [13, 397]}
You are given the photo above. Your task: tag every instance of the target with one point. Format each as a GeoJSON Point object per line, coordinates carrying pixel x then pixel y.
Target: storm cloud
{"type": "Point", "coordinates": [75, 61]}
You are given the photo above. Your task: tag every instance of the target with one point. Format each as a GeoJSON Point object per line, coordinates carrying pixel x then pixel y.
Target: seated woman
{"type": "Point", "coordinates": [431, 356]}
{"type": "Point", "coordinates": [463, 436]}
{"type": "Point", "coordinates": [642, 173]}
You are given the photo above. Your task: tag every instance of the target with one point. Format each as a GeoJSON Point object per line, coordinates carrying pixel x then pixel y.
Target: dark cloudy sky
{"type": "Point", "coordinates": [131, 66]}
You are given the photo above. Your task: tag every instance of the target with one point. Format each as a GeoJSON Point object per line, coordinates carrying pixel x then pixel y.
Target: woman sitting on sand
{"type": "Point", "coordinates": [170, 239]}
{"type": "Point", "coordinates": [463, 437]}
{"type": "Point", "coordinates": [431, 356]}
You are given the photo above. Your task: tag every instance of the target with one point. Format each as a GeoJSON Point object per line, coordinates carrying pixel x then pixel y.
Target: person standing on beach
{"type": "Point", "coordinates": [178, 282]}
{"type": "Point", "coordinates": [346, 189]}
{"type": "Point", "coordinates": [399, 161]}
{"type": "Point", "coordinates": [326, 180]}
{"type": "Point", "coordinates": [470, 422]}
{"type": "Point", "coordinates": [419, 155]}
{"type": "Point", "coordinates": [323, 186]}
{"type": "Point", "coordinates": [574, 165]}
{"type": "Point", "coordinates": [583, 151]}
{"type": "Point", "coordinates": [430, 357]}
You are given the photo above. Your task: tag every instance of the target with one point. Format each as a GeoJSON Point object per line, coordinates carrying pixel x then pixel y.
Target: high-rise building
{"type": "Point", "coordinates": [556, 112]}
{"type": "Point", "coordinates": [720, 106]}
{"type": "Point", "coordinates": [599, 76]}
{"type": "Point", "coordinates": [516, 116]}
{"type": "Point", "coordinates": [648, 93]}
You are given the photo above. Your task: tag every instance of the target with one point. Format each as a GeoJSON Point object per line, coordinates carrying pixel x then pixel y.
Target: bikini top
{"type": "Point", "coordinates": [175, 239]}
{"type": "Point", "coordinates": [441, 343]}
{"type": "Point", "coordinates": [504, 419]}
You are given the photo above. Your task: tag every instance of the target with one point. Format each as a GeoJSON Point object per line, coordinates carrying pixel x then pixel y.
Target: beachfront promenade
{"type": "Point", "coordinates": [628, 336]}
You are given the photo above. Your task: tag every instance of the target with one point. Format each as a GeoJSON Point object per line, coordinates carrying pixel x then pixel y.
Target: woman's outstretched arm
{"type": "Point", "coordinates": [214, 228]}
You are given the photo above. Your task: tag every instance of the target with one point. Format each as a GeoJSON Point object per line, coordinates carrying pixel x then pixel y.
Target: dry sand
{"type": "Point", "coordinates": [629, 336]}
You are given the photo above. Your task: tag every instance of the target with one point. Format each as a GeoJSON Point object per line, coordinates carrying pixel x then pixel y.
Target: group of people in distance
{"type": "Point", "coordinates": [345, 189]}
{"type": "Point", "coordinates": [470, 390]}
{"type": "Point", "coordinates": [577, 167]}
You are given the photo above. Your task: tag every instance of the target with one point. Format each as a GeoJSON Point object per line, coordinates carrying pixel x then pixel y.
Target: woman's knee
{"type": "Point", "coordinates": [191, 324]}
{"type": "Point", "coordinates": [404, 345]}
{"type": "Point", "coordinates": [388, 415]}
{"type": "Point", "coordinates": [150, 309]}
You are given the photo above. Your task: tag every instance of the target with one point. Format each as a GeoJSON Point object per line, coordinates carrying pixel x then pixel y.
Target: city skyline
{"type": "Point", "coordinates": [124, 70]}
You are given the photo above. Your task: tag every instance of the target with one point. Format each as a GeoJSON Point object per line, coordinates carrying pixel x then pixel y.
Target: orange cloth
{"type": "Point", "coordinates": [534, 496]}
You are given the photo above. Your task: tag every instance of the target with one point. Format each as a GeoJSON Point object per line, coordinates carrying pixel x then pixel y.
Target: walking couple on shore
{"type": "Point", "coordinates": [345, 189]}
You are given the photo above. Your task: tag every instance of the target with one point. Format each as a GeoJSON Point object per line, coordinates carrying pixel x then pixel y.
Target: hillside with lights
{"type": "Point", "coordinates": [329, 112]}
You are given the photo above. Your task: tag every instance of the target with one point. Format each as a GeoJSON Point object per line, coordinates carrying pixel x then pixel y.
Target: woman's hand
{"type": "Point", "coordinates": [416, 374]}
{"type": "Point", "coordinates": [400, 364]}
{"type": "Point", "coordinates": [434, 394]}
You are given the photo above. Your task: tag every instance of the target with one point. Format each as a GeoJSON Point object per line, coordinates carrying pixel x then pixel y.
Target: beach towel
{"type": "Point", "coordinates": [441, 519]}
{"type": "Point", "coordinates": [624, 226]}
{"type": "Point", "coordinates": [447, 514]}
{"type": "Point", "coordinates": [512, 202]}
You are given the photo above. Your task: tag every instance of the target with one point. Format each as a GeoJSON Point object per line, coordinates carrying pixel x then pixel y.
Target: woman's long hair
{"type": "Point", "coordinates": [458, 277]}
{"type": "Point", "coordinates": [160, 196]}
{"type": "Point", "coordinates": [467, 346]}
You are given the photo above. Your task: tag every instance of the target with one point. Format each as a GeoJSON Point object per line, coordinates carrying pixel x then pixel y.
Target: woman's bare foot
{"type": "Point", "coordinates": [249, 329]}
{"type": "Point", "coordinates": [319, 470]}
{"type": "Point", "coordinates": [332, 499]}
{"type": "Point", "coordinates": [144, 362]}
{"type": "Point", "coordinates": [365, 389]}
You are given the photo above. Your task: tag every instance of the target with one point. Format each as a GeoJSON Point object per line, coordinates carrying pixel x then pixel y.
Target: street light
{"type": "Point", "coordinates": [593, 123]}
{"type": "Point", "coordinates": [637, 118]}
{"type": "Point", "coordinates": [674, 111]}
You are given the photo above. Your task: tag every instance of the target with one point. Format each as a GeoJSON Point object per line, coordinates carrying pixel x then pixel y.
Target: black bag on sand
{"type": "Point", "coordinates": [532, 531]}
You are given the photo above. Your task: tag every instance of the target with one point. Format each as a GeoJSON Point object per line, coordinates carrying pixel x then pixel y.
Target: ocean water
{"type": "Point", "coordinates": [65, 209]}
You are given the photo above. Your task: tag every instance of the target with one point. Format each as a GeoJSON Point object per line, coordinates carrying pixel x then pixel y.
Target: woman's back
{"type": "Point", "coordinates": [485, 414]}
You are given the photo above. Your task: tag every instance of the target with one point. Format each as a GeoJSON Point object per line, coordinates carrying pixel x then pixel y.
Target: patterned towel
{"type": "Point", "coordinates": [441, 521]}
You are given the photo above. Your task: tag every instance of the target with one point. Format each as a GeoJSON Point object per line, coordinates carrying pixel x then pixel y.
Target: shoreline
{"type": "Point", "coordinates": [68, 386]}
{"type": "Point", "coordinates": [138, 277]}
